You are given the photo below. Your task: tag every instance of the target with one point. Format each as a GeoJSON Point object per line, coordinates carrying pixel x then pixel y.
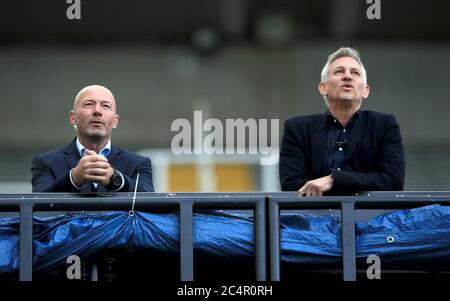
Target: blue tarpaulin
{"type": "Point", "coordinates": [420, 235]}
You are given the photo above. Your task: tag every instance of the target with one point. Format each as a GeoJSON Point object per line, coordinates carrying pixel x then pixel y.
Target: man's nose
{"type": "Point", "coordinates": [98, 109]}
{"type": "Point", "coordinates": [347, 76]}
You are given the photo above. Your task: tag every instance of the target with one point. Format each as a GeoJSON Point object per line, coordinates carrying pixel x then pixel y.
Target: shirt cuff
{"type": "Point", "coordinates": [71, 180]}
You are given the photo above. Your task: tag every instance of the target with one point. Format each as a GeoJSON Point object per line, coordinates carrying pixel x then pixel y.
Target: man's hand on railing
{"type": "Point", "coordinates": [316, 187]}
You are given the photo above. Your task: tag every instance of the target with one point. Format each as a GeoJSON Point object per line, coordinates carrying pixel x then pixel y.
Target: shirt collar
{"type": "Point", "coordinates": [104, 152]}
{"type": "Point", "coordinates": [331, 119]}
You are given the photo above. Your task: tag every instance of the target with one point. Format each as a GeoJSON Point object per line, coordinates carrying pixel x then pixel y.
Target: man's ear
{"type": "Point", "coordinates": [116, 121]}
{"type": "Point", "coordinates": [72, 117]}
{"type": "Point", "coordinates": [322, 88]}
{"type": "Point", "coordinates": [366, 91]}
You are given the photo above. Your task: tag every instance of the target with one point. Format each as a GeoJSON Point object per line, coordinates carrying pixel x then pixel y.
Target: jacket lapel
{"type": "Point", "coordinates": [355, 136]}
{"type": "Point", "coordinates": [72, 156]}
{"type": "Point", "coordinates": [114, 157]}
{"type": "Point", "coordinates": [318, 142]}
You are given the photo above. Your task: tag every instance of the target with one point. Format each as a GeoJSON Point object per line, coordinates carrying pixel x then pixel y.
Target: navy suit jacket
{"type": "Point", "coordinates": [50, 171]}
{"type": "Point", "coordinates": [374, 157]}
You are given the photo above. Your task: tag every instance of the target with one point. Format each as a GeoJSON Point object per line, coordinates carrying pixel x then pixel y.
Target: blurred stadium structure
{"type": "Point", "coordinates": [230, 58]}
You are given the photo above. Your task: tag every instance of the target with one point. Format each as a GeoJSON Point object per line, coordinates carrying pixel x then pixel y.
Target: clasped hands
{"type": "Point", "coordinates": [92, 168]}
{"type": "Point", "coordinates": [316, 187]}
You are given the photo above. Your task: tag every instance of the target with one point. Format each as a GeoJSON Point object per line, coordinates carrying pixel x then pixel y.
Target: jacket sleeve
{"type": "Point", "coordinates": [43, 179]}
{"type": "Point", "coordinates": [292, 168]}
{"type": "Point", "coordinates": [144, 168]}
{"type": "Point", "coordinates": [390, 174]}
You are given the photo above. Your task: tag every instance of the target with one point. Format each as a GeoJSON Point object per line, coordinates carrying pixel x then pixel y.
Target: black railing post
{"type": "Point", "coordinates": [260, 241]}
{"type": "Point", "coordinates": [26, 242]}
{"type": "Point", "coordinates": [186, 244]}
{"type": "Point", "coordinates": [274, 240]}
{"type": "Point", "coordinates": [348, 241]}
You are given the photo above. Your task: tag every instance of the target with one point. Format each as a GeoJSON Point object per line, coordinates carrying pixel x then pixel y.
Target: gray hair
{"type": "Point", "coordinates": [342, 52]}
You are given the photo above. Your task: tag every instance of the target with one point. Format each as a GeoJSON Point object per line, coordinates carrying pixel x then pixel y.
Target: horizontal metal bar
{"type": "Point", "coordinates": [405, 193]}
{"type": "Point", "coordinates": [122, 203]}
{"type": "Point", "coordinates": [286, 194]}
{"type": "Point", "coordinates": [59, 199]}
{"type": "Point", "coordinates": [152, 195]}
{"type": "Point", "coordinates": [361, 202]}
{"type": "Point", "coordinates": [286, 200]}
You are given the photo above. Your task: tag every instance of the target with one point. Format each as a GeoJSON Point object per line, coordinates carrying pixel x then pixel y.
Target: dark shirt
{"type": "Point", "coordinates": [336, 145]}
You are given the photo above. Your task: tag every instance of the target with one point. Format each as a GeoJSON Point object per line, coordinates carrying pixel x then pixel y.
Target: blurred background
{"type": "Point", "coordinates": [257, 59]}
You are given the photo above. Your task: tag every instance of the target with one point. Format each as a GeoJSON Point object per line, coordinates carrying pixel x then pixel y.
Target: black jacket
{"type": "Point", "coordinates": [374, 156]}
{"type": "Point", "coordinates": [50, 171]}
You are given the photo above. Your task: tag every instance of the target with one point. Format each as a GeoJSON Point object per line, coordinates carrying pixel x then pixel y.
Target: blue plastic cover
{"type": "Point", "coordinates": [400, 237]}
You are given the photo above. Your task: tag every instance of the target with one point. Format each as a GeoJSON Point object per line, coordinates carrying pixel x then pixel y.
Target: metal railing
{"type": "Point", "coordinates": [266, 208]}
{"type": "Point", "coordinates": [347, 205]}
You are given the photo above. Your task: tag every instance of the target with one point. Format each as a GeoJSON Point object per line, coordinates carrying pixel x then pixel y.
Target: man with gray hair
{"type": "Point", "coordinates": [345, 149]}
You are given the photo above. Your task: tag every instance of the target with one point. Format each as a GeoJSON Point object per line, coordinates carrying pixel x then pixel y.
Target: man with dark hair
{"type": "Point", "coordinates": [346, 149]}
{"type": "Point", "coordinates": [90, 162]}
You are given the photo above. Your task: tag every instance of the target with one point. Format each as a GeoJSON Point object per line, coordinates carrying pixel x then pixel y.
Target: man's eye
{"type": "Point", "coordinates": [338, 71]}
{"type": "Point", "coordinates": [356, 73]}
{"type": "Point", "coordinates": [107, 106]}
